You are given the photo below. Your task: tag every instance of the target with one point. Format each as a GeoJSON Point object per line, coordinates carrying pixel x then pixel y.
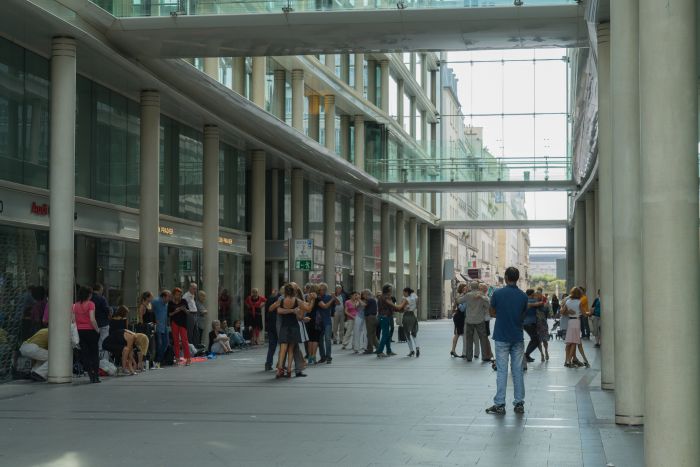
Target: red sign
{"type": "Point", "coordinates": [40, 210]}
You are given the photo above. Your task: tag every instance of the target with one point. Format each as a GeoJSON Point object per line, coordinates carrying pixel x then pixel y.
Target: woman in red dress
{"type": "Point", "coordinates": [253, 317]}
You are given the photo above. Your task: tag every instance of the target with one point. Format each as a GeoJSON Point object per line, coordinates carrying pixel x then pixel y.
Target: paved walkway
{"type": "Point", "coordinates": [358, 411]}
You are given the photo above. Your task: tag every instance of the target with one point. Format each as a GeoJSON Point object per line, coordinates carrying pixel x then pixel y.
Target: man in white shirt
{"type": "Point", "coordinates": [190, 298]}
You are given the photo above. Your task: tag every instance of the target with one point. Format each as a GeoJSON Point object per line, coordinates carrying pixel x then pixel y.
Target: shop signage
{"type": "Point", "coordinates": [166, 230]}
{"type": "Point", "coordinates": [303, 251]}
{"type": "Point", "coordinates": [226, 241]}
{"type": "Point", "coordinates": [40, 209]}
{"type": "Point", "coordinates": [474, 273]}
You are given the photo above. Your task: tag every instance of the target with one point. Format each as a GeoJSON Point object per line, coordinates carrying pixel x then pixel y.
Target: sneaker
{"type": "Point", "coordinates": [530, 359]}
{"type": "Point", "coordinates": [329, 360]}
{"type": "Point", "coordinates": [300, 374]}
{"type": "Point", "coordinates": [417, 352]}
{"type": "Point", "coordinates": [411, 354]}
{"type": "Point", "coordinates": [519, 408]}
{"type": "Point", "coordinates": [391, 354]}
{"type": "Point", "coordinates": [268, 367]}
{"type": "Point", "coordinates": [496, 410]}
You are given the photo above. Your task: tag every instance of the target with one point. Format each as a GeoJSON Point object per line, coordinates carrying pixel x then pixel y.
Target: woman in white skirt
{"type": "Point", "coordinates": [573, 310]}
{"type": "Point", "coordinates": [359, 332]}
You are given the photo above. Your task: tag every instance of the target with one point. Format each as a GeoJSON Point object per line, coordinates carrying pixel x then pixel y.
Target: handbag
{"type": "Point", "coordinates": [74, 336]}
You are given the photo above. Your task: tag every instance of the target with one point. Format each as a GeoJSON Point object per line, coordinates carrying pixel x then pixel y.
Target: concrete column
{"type": "Point", "coordinates": [257, 223]}
{"type": "Point", "coordinates": [360, 141]}
{"type": "Point", "coordinates": [424, 130]}
{"type": "Point", "coordinates": [412, 254]}
{"type": "Point", "coordinates": [297, 216]}
{"type": "Point", "coordinates": [329, 61]}
{"type": "Point", "coordinates": [345, 68]}
{"type": "Point", "coordinates": [385, 240]}
{"type": "Point", "coordinates": [211, 67]}
{"type": "Point", "coordinates": [345, 137]}
{"type": "Point", "coordinates": [360, 74]}
{"type": "Point", "coordinates": [149, 192]}
{"type": "Point", "coordinates": [590, 282]}
{"type": "Point", "coordinates": [412, 63]}
{"type": "Point", "coordinates": [372, 81]}
{"type": "Point", "coordinates": [359, 254]}
{"type": "Point", "coordinates": [400, 237]}
{"type": "Point", "coordinates": [627, 239]}
{"type": "Point", "coordinates": [433, 87]}
{"type": "Point", "coordinates": [210, 223]}
{"type": "Point", "coordinates": [239, 75]}
{"type": "Point", "coordinates": [274, 223]}
{"type": "Point", "coordinates": [314, 116]}
{"type": "Point", "coordinates": [257, 88]}
{"type": "Point", "coordinates": [433, 138]}
{"type": "Point", "coordinates": [570, 258]}
{"type": "Point", "coordinates": [329, 234]}
{"type": "Point", "coordinates": [669, 191]}
{"type": "Point", "coordinates": [385, 72]}
{"type": "Point", "coordinates": [423, 297]}
{"type": "Point", "coordinates": [329, 121]}
{"type": "Point", "coordinates": [399, 102]}
{"type": "Point", "coordinates": [412, 117]}
{"type": "Point", "coordinates": [279, 98]}
{"type": "Point", "coordinates": [580, 243]}
{"type": "Point", "coordinates": [298, 99]}
{"type": "Point", "coordinates": [62, 202]}
{"type": "Point", "coordinates": [424, 73]}
{"type": "Point", "coordinates": [605, 215]}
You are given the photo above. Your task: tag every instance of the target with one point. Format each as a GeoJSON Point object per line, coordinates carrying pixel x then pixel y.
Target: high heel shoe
{"type": "Point", "coordinates": [586, 364]}
{"type": "Point", "coordinates": [279, 373]}
{"type": "Point", "coordinates": [454, 355]}
{"type": "Point", "coordinates": [289, 372]}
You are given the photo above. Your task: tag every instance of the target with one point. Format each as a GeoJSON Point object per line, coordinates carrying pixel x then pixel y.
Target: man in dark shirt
{"type": "Point", "coordinates": [102, 314]}
{"type": "Point", "coordinates": [508, 306]}
{"type": "Point", "coordinates": [271, 328]}
{"type": "Point", "coordinates": [370, 313]}
{"type": "Point", "coordinates": [326, 303]}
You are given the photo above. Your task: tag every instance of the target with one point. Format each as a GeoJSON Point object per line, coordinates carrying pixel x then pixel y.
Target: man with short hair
{"type": "Point", "coordinates": [190, 297]}
{"type": "Point", "coordinates": [272, 324]}
{"type": "Point", "coordinates": [102, 315]}
{"type": "Point", "coordinates": [585, 328]}
{"type": "Point", "coordinates": [508, 306]}
{"type": "Point", "coordinates": [160, 310]}
{"type": "Point", "coordinates": [326, 303]}
{"type": "Point", "coordinates": [476, 305]}
{"type": "Point", "coordinates": [338, 314]}
{"type": "Point", "coordinates": [595, 319]}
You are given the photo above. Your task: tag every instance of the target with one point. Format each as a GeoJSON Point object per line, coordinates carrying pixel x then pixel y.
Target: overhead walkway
{"type": "Point", "coordinates": [225, 28]}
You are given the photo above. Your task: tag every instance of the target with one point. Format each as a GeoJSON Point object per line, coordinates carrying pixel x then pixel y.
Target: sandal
{"type": "Point", "coordinates": [279, 373]}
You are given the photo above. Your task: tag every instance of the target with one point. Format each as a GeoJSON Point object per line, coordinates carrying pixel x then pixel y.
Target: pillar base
{"type": "Point", "coordinates": [607, 386]}
{"type": "Point", "coordinates": [629, 420]}
{"type": "Point", "coordinates": [60, 379]}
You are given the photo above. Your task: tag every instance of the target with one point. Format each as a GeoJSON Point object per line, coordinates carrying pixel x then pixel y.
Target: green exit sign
{"type": "Point", "coordinates": [303, 264]}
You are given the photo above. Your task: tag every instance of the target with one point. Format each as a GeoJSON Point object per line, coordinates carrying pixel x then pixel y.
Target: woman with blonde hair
{"type": "Point", "coordinates": [290, 309]}
{"type": "Point", "coordinates": [218, 340]}
{"type": "Point", "coordinates": [574, 310]}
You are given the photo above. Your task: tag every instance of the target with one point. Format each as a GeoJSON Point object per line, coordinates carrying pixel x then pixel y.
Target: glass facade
{"type": "Point", "coordinates": [24, 115]}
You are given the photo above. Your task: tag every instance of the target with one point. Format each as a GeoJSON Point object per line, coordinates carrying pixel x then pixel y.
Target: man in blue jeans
{"type": "Point", "coordinates": [160, 308]}
{"type": "Point", "coordinates": [326, 303]}
{"type": "Point", "coordinates": [508, 306]}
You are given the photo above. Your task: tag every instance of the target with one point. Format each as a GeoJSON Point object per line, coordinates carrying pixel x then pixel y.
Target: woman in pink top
{"type": "Point", "coordinates": [350, 315]}
{"type": "Point", "coordinates": [84, 315]}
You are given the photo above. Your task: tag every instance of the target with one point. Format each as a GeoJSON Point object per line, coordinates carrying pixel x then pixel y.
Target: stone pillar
{"type": "Point", "coordinates": [257, 223]}
{"type": "Point", "coordinates": [372, 81]}
{"type": "Point", "coordinates": [239, 75]}
{"type": "Point", "coordinates": [360, 74]}
{"type": "Point", "coordinates": [669, 192]}
{"type": "Point", "coordinates": [423, 297]}
{"type": "Point", "coordinates": [345, 137]}
{"type": "Point", "coordinates": [570, 245]}
{"type": "Point", "coordinates": [424, 73]}
{"type": "Point", "coordinates": [424, 130]}
{"type": "Point", "coordinates": [412, 117]}
{"type": "Point", "coordinates": [314, 116]}
{"type": "Point", "coordinates": [329, 234]}
{"type": "Point", "coordinates": [605, 215]}
{"type": "Point", "coordinates": [274, 224]}
{"type": "Point", "coordinates": [210, 224]}
{"type": "Point", "coordinates": [412, 254]}
{"type": "Point", "coordinates": [298, 99]}
{"type": "Point", "coordinates": [62, 202]}
{"type": "Point", "coordinates": [385, 243]}
{"type": "Point", "coordinates": [345, 68]}
{"type": "Point", "coordinates": [590, 282]}
{"type": "Point", "coordinates": [433, 87]}
{"type": "Point", "coordinates": [359, 256]}
{"type": "Point", "coordinates": [329, 121]}
{"type": "Point", "coordinates": [385, 72]}
{"type": "Point", "coordinates": [400, 237]}
{"type": "Point", "coordinates": [579, 243]}
{"type": "Point", "coordinates": [399, 102]}
{"type": "Point", "coordinates": [433, 139]}
{"type": "Point", "coordinates": [149, 192]}
{"type": "Point", "coordinates": [297, 217]}
{"type": "Point", "coordinates": [279, 97]}
{"type": "Point", "coordinates": [211, 67]}
{"type": "Point", "coordinates": [257, 88]}
{"type": "Point", "coordinates": [329, 61]}
{"type": "Point", "coordinates": [360, 141]}
{"type": "Point", "coordinates": [627, 239]}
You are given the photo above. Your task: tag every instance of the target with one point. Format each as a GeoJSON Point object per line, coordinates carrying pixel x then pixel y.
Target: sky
{"type": "Point", "coordinates": [522, 107]}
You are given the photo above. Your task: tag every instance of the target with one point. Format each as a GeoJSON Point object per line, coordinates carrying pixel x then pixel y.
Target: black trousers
{"type": "Point", "coordinates": [89, 351]}
{"type": "Point", "coordinates": [531, 330]}
{"type": "Point", "coordinates": [585, 327]}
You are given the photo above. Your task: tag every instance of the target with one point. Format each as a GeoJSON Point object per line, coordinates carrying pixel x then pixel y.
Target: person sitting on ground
{"type": "Point", "coordinates": [235, 335]}
{"type": "Point", "coordinates": [218, 340]}
{"type": "Point", "coordinates": [37, 348]}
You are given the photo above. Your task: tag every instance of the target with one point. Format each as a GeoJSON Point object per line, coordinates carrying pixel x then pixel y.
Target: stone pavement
{"type": "Point", "coordinates": [358, 411]}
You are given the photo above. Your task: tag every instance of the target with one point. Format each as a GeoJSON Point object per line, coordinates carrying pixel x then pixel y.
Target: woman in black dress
{"type": "Point", "coordinates": [458, 316]}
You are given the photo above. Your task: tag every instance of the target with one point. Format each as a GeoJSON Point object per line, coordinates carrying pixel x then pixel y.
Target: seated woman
{"type": "Point", "coordinates": [235, 335]}
{"type": "Point", "coordinates": [121, 344]}
{"type": "Point", "coordinates": [218, 340]}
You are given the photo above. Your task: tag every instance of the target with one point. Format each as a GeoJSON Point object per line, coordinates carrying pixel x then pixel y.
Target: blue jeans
{"type": "Point", "coordinates": [326, 341]}
{"type": "Point", "coordinates": [161, 345]}
{"type": "Point", "coordinates": [271, 346]}
{"type": "Point", "coordinates": [514, 350]}
{"type": "Point", "coordinates": [385, 325]}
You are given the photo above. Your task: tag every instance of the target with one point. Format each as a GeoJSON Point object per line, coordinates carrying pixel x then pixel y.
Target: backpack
{"type": "Point", "coordinates": [168, 356]}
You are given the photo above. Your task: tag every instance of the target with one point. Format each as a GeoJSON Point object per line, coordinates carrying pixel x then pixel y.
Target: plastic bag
{"type": "Point", "coordinates": [108, 367]}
